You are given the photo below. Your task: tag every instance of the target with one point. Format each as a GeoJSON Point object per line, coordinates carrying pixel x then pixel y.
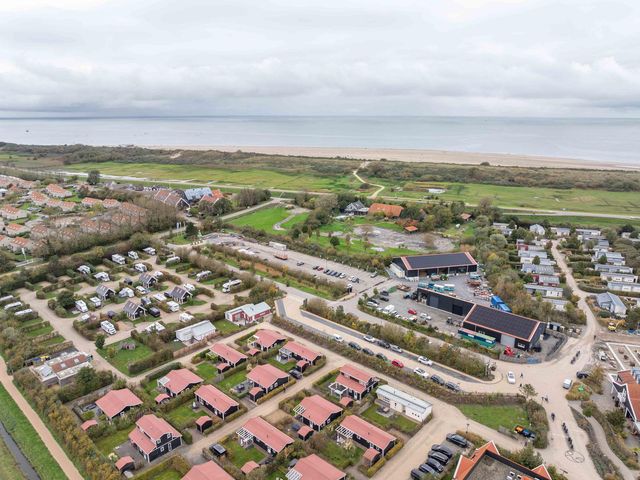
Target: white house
{"type": "Point", "coordinates": [624, 287]}
{"type": "Point", "coordinates": [618, 277]}
{"type": "Point", "coordinates": [544, 290]}
{"type": "Point", "coordinates": [612, 303]}
{"type": "Point", "coordinates": [402, 402]}
{"type": "Point", "coordinates": [196, 332]}
{"type": "Point", "coordinates": [537, 229]}
{"type": "Point", "coordinates": [249, 313]}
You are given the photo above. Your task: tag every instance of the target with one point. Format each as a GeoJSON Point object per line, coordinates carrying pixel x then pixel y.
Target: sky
{"type": "Point", "coordinates": [560, 58]}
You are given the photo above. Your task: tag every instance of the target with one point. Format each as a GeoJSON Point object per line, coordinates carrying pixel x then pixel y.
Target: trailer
{"type": "Point", "coordinates": [497, 303]}
{"type": "Point", "coordinates": [281, 256]}
{"type": "Point", "coordinates": [278, 245]}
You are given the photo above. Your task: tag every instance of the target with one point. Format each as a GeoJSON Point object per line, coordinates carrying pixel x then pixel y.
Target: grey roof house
{"type": "Point", "coordinates": [133, 310]}
{"type": "Point", "coordinates": [179, 294]}
{"type": "Point", "coordinates": [612, 303]}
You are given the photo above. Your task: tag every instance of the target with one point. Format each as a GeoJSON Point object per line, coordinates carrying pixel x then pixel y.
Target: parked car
{"type": "Point", "coordinates": [424, 316]}
{"type": "Point", "coordinates": [582, 374]}
{"type": "Point", "coordinates": [511, 377]}
{"type": "Point", "coordinates": [436, 465]}
{"type": "Point", "coordinates": [381, 356]}
{"type": "Point", "coordinates": [458, 440]}
{"type": "Point", "coordinates": [338, 338]}
{"type": "Point", "coordinates": [421, 372]}
{"type": "Point", "coordinates": [442, 449]}
{"type": "Point", "coordinates": [428, 469]}
{"type": "Point", "coordinates": [525, 432]}
{"type": "Point", "coordinates": [383, 343]}
{"type": "Point", "coordinates": [372, 304]}
{"type": "Point", "coordinates": [441, 458]}
{"type": "Point", "coordinates": [411, 311]}
{"type": "Point", "coordinates": [217, 449]}
{"type": "Point", "coordinates": [452, 386]}
{"type": "Point", "coordinates": [417, 474]}
{"type": "Point", "coordinates": [154, 311]}
{"type": "Point", "coordinates": [395, 348]}
{"type": "Point", "coordinates": [295, 374]}
{"type": "Point", "coordinates": [368, 351]}
{"type": "Point", "coordinates": [369, 339]}
{"type": "Point", "coordinates": [299, 264]}
{"type": "Point", "coordinates": [437, 379]}
{"type": "Point", "coordinates": [397, 363]}
{"type": "Point", "coordinates": [425, 361]}
{"type": "Point", "coordinates": [355, 346]}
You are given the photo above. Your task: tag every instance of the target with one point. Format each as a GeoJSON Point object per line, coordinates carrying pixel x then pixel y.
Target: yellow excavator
{"type": "Point", "coordinates": [614, 324]}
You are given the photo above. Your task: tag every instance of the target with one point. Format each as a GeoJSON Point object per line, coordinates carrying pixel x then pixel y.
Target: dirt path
{"type": "Point", "coordinates": [360, 179]}
{"type": "Point", "coordinates": [43, 432]}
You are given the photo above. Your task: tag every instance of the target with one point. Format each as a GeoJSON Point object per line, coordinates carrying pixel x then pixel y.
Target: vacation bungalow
{"type": "Point", "coordinates": [154, 437]}
{"type": "Point", "coordinates": [196, 332]}
{"type": "Point", "coordinates": [134, 310]}
{"type": "Point", "coordinates": [352, 382]}
{"type": "Point", "coordinates": [117, 402]}
{"type": "Point", "coordinates": [375, 440]}
{"type": "Point", "coordinates": [260, 432]}
{"type": "Point", "coordinates": [180, 294]}
{"type": "Point", "coordinates": [207, 471]}
{"type": "Point", "coordinates": [312, 467]}
{"type": "Point", "coordinates": [230, 358]}
{"type": "Point", "coordinates": [265, 378]}
{"type": "Point", "coordinates": [249, 313]}
{"type": "Point", "coordinates": [264, 340]}
{"type": "Point", "coordinates": [177, 381]}
{"type": "Point", "coordinates": [317, 412]}
{"type": "Point", "coordinates": [297, 351]}
{"type": "Point", "coordinates": [219, 403]}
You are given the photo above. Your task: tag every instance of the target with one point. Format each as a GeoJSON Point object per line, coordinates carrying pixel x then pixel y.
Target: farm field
{"type": "Point", "coordinates": [206, 175]}
{"type": "Point", "coordinates": [27, 439]}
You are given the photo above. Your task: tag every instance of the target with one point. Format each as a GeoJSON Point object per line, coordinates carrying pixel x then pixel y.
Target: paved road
{"type": "Point", "coordinates": [56, 450]}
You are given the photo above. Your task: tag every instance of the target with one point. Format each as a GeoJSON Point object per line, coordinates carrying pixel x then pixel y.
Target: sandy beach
{"type": "Point", "coordinates": [415, 155]}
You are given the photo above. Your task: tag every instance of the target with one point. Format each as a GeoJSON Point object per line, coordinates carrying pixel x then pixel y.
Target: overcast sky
{"type": "Point", "coordinates": [423, 57]}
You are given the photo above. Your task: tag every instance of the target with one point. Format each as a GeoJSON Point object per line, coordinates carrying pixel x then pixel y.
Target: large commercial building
{"type": "Point", "coordinates": [415, 266]}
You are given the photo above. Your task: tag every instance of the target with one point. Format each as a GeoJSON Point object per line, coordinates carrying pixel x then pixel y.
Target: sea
{"type": "Point", "coordinates": [592, 139]}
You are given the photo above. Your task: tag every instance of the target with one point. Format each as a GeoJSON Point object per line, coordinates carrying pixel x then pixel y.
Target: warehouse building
{"type": "Point", "coordinates": [415, 266]}
{"type": "Point", "coordinates": [444, 302]}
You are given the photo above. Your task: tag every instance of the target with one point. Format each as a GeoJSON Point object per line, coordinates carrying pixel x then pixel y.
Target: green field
{"type": "Point", "coordinates": [494, 416]}
{"type": "Point", "coordinates": [262, 219]}
{"type": "Point", "coordinates": [8, 467]}
{"type": "Point", "coordinates": [107, 443]}
{"type": "Point", "coordinates": [124, 357]}
{"type": "Point", "coordinates": [27, 439]}
{"type": "Point", "coordinates": [198, 174]}
{"type": "Point", "coordinates": [206, 370]}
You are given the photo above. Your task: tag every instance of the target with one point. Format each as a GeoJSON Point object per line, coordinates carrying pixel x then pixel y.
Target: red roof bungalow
{"type": "Point", "coordinates": [91, 202]}
{"type": "Point", "coordinates": [177, 381]}
{"type": "Point", "coordinates": [315, 468]}
{"type": "Point", "coordinates": [14, 229]}
{"type": "Point", "coordinates": [265, 378]}
{"type": "Point", "coordinates": [216, 401]}
{"type": "Point", "coordinates": [353, 382]}
{"type": "Point", "coordinates": [110, 203]}
{"type": "Point", "coordinates": [88, 424]}
{"type": "Point", "coordinates": [260, 432]}
{"type": "Point", "coordinates": [263, 340]}
{"type": "Point", "coordinates": [125, 463]}
{"type": "Point", "coordinates": [154, 437]}
{"type": "Point", "coordinates": [228, 355]}
{"type": "Point", "coordinates": [470, 468]}
{"type": "Point", "coordinates": [38, 198]}
{"type": "Point", "coordinates": [299, 352]}
{"type": "Point", "coordinates": [317, 412]}
{"type": "Point", "coordinates": [117, 402]}
{"type": "Point", "coordinates": [389, 211]}
{"type": "Point", "coordinates": [207, 471]}
{"type": "Point", "coordinates": [367, 435]}
{"type": "Point", "coordinates": [213, 197]}
{"type": "Point", "coordinates": [57, 191]}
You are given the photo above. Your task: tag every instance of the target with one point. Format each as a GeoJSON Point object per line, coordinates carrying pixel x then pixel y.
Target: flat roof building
{"type": "Point", "coordinates": [413, 266]}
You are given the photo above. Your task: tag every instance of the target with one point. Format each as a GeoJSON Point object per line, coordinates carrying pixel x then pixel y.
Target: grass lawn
{"type": "Point", "coordinates": [494, 416]}
{"type": "Point", "coordinates": [8, 467]}
{"type": "Point", "coordinates": [400, 422]}
{"type": "Point", "coordinates": [240, 455]}
{"type": "Point", "coordinates": [27, 439]}
{"type": "Point", "coordinates": [285, 367]}
{"type": "Point", "coordinates": [107, 443]}
{"type": "Point", "coordinates": [40, 331]}
{"type": "Point", "coordinates": [262, 219]}
{"type": "Point", "coordinates": [232, 380]}
{"type": "Point", "coordinates": [182, 415]}
{"type": "Point", "coordinates": [124, 357]}
{"type": "Point", "coordinates": [52, 341]}
{"type": "Point", "coordinates": [206, 370]}
{"type": "Point", "coordinates": [178, 240]}
{"type": "Point", "coordinates": [226, 328]}
{"type": "Point", "coordinates": [340, 456]}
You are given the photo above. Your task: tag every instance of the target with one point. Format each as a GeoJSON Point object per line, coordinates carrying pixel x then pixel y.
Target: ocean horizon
{"type": "Point", "coordinates": [589, 139]}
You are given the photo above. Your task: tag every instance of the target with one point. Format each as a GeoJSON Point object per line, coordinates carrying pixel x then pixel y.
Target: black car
{"type": "Point", "coordinates": [437, 379]}
{"type": "Point", "coordinates": [382, 298]}
{"type": "Point", "coordinates": [582, 374]}
{"type": "Point", "coordinates": [442, 449]}
{"type": "Point", "coordinates": [355, 346]}
{"type": "Point", "coordinates": [217, 449]}
{"type": "Point", "coordinates": [381, 356]}
{"type": "Point", "coordinates": [154, 312]}
{"type": "Point", "coordinates": [295, 374]}
{"type": "Point", "coordinates": [427, 469]}
{"type": "Point", "coordinates": [441, 458]}
{"type": "Point", "coordinates": [367, 351]}
{"type": "Point", "coordinates": [436, 465]}
{"type": "Point", "coordinates": [383, 343]}
{"type": "Point", "coordinates": [417, 474]}
{"type": "Point", "coordinates": [458, 440]}
{"type": "Point", "coordinates": [452, 386]}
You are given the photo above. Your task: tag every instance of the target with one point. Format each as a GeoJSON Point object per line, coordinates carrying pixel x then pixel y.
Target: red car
{"type": "Point", "coordinates": [397, 363]}
{"type": "Point", "coordinates": [412, 311]}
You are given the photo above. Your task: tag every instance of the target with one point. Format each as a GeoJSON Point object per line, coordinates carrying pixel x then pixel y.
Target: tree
{"type": "Point", "coordinates": [528, 391]}
{"type": "Point", "coordinates": [94, 177]}
{"type": "Point", "coordinates": [220, 207]}
{"type": "Point", "coordinates": [536, 260]}
{"type": "Point", "coordinates": [335, 241]}
{"type": "Point", "coordinates": [191, 230]}
{"type": "Point", "coordinates": [66, 299]}
{"type": "Point", "coordinates": [100, 339]}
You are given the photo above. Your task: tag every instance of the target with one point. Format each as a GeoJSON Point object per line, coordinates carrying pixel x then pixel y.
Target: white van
{"type": "Point", "coordinates": [108, 327]}
{"type": "Point", "coordinates": [227, 286]}
{"type": "Point", "coordinates": [133, 255]}
{"type": "Point", "coordinates": [96, 302]}
{"type": "Point", "coordinates": [567, 383]}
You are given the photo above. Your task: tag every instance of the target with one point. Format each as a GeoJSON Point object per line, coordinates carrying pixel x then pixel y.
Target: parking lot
{"type": "Point", "coordinates": [360, 279]}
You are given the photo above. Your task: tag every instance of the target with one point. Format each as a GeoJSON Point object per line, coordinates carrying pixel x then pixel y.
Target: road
{"type": "Point", "coordinates": [53, 446]}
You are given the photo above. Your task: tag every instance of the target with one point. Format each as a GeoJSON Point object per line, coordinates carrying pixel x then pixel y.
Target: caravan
{"type": "Point", "coordinates": [108, 327]}
{"type": "Point", "coordinates": [226, 287]}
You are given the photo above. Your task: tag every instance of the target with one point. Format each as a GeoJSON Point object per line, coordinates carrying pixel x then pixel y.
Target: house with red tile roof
{"type": "Point", "coordinates": [110, 203]}
{"type": "Point", "coordinates": [177, 381]}
{"type": "Point", "coordinates": [91, 202]}
{"type": "Point", "coordinates": [213, 197]}
{"type": "Point", "coordinates": [154, 437]}
{"type": "Point", "coordinates": [38, 198]}
{"type": "Point", "coordinates": [216, 401]}
{"type": "Point", "coordinates": [352, 382]}
{"type": "Point", "coordinates": [12, 213]}
{"type": "Point", "coordinates": [297, 351]}
{"type": "Point", "coordinates": [369, 436]}
{"type": "Point", "coordinates": [265, 378]}
{"type": "Point", "coordinates": [5, 241]}
{"type": "Point", "coordinates": [313, 467]}
{"type": "Point", "coordinates": [625, 390]}
{"type": "Point", "coordinates": [14, 229]}
{"type": "Point", "coordinates": [264, 340]}
{"type": "Point", "coordinates": [57, 191]}
{"type": "Point", "coordinates": [317, 412]}
{"type": "Point", "coordinates": [487, 463]}
{"type": "Point", "coordinates": [117, 402]}
{"type": "Point", "coordinates": [20, 243]}
{"type": "Point", "coordinates": [260, 432]}
{"type": "Point", "coordinates": [207, 471]}
{"type": "Point", "coordinates": [388, 210]}
{"type": "Point", "coordinates": [170, 197]}
{"type": "Point", "coordinates": [249, 313]}
{"type": "Point", "coordinates": [229, 357]}
{"type": "Point", "coordinates": [40, 231]}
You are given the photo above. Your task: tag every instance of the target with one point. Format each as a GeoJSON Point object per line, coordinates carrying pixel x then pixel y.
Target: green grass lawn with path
{"type": "Point", "coordinates": [180, 416]}
{"type": "Point", "coordinates": [494, 416]}
{"type": "Point", "coordinates": [240, 455]}
{"type": "Point", "coordinates": [262, 219]}
{"type": "Point", "coordinates": [285, 367]}
{"type": "Point", "coordinates": [232, 380]}
{"type": "Point", "coordinates": [226, 327]}
{"type": "Point", "coordinates": [107, 443]}
{"type": "Point", "coordinates": [206, 370]}
{"type": "Point", "coordinates": [27, 439]}
{"type": "Point", "coordinates": [400, 422]}
{"type": "Point", "coordinates": [341, 457]}
{"type": "Point", "coordinates": [124, 357]}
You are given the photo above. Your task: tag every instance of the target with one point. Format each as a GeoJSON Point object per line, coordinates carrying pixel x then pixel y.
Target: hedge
{"type": "Point", "coordinates": [275, 391]}
{"type": "Point", "coordinates": [151, 361]}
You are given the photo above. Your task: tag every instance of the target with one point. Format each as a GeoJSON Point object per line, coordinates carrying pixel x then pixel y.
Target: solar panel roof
{"type": "Point", "coordinates": [503, 322]}
{"type": "Point", "coordinates": [439, 260]}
